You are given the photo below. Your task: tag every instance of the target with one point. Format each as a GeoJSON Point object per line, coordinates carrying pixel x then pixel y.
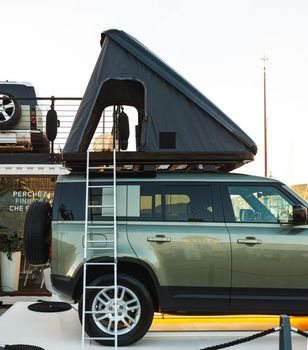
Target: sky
{"type": "Point", "coordinates": [216, 45]}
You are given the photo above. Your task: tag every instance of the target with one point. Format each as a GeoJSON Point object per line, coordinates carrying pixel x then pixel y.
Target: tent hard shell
{"type": "Point", "coordinates": [173, 116]}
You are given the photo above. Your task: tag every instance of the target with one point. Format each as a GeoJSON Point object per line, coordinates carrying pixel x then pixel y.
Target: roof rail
{"type": "Point", "coordinates": [159, 161]}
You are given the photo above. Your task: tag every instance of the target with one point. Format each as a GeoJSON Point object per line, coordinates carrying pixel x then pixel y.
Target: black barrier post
{"type": "Point", "coordinates": [285, 342]}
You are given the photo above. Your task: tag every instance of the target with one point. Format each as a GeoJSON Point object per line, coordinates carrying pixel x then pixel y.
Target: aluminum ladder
{"type": "Point", "coordinates": [93, 245]}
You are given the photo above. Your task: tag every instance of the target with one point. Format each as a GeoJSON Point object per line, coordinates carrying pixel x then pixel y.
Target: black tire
{"type": "Point", "coordinates": [141, 311]}
{"type": "Point", "coordinates": [22, 347]}
{"type": "Point", "coordinates": [37, 233]}
{"type": "Point", "coordinates": [10, 111]}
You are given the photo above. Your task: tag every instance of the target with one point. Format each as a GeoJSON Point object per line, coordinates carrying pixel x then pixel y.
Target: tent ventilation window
{"type": "Point", "coordinates": [167, 140]}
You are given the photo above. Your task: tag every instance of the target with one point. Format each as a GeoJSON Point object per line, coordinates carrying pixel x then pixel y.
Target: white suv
{"type": "Point", "coordinates": [21, 120]}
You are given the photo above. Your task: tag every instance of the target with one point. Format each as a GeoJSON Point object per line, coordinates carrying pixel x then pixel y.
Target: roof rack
{"type": "Point", "coordinates": [156, 161]}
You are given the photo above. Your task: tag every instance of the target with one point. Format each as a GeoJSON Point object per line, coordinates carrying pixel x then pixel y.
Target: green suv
{"type": "Point", "coordinates": [189, 243]}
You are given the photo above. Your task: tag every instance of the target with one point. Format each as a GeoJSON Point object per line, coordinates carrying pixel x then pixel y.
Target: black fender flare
{"type": "Point", "coordinates": [124, 265]}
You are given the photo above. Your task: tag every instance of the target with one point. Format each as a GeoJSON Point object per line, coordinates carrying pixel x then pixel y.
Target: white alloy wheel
{"type": "Point", "coordinates": [7, 108]}
{"type": "Point", "coordinates": [126, 313]}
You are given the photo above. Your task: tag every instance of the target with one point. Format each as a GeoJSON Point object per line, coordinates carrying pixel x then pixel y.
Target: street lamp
{"type": "Point", "coordinates": [265, 59]}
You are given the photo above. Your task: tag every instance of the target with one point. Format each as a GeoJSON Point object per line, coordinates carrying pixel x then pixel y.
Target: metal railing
{"type": "Point", "coordinates": [17, 133]}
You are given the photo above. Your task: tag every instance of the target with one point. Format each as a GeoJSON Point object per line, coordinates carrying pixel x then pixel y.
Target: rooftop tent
{"type": "Point", "coordinates": [173, 115]}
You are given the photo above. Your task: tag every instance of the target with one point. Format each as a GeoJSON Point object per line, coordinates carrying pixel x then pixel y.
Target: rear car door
{"type": "Point", "coordinates": [177, 230]}
{"type": "Point", "coordinates": [269, 253]}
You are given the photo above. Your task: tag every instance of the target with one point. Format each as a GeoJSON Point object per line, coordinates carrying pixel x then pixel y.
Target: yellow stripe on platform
{"type": "Point", "coordinates": [222, 323]}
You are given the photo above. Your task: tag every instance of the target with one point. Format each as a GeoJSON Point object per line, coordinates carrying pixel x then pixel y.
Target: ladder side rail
{"type": "Point", "coordinates": [87, 248]}
{"type": "Point", "coordinates": [84, 285]}
{"type": "Point", "coordinates": [115, 247]}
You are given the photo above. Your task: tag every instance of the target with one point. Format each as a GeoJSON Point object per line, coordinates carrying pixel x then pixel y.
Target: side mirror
{"type": "Point", "coordinates": [299, 215]}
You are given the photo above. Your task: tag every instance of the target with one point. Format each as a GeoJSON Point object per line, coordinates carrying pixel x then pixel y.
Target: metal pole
{"type": "Point", "coordinates": [52, 107]}
{"type": "Point", "coordinates": [285, 341]}
{"type": "Point", "coordinates": [264, 59]}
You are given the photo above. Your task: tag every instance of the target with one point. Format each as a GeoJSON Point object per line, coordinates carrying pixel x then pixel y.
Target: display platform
{"type": "Point", "coordinates": [62, 331]}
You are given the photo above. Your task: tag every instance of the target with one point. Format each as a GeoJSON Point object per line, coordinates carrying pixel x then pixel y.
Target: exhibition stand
{"type": "Point", "coordinates": [62, 330]}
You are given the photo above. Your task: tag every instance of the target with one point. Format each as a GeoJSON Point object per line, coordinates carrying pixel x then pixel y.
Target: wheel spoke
{"type": "Point", "coordinates": [101, 300]}
{"type": "Point", "coordinates": [109, 326]}
{"type": "Point", "coordinates": [122, 294]}
{"type": "Point", "coordinates": [127, 324]}
{"type": "Point", "coordinates": [100, 318]}
{"type": "Point", "coordinates": [105, 295]}
{"type": "Point", "coordinates": [132, 308]}
{"type": "Point", "coordinates": [6, 116]}
{"type": "Point", "coordinates": [133, 321]}
{"type": "Point", "coordinates": [10, 104]}
{"type": "Point", "coordinates": [132, 301]}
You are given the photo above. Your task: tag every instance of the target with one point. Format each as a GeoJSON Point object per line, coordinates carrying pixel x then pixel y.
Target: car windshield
{"type": "Point", "coordinates": [296, 195]}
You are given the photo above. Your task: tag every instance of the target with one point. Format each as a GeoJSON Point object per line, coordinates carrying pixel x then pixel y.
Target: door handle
{"type": "Point", "coordinates": [159, 239]}
{"type": "Point", "coordinates": [249, 240]}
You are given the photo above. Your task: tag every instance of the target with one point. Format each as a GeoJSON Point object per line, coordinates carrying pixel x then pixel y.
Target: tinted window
{"type": "Point", "coordinates": [260, 204]}
{"type": "Point", "coordinates": [151, 205]}
{"type": "Point", "coordinates": [21, 92]}
{"type": "Point", "coordinates": [100, 204]}
{"type": "Point", "coordinates": [176, 203]}
{"type": "Point", "coordinates": [71, 201]}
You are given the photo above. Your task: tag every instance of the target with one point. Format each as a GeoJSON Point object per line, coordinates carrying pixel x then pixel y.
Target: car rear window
{"type": "Point", "coordinates": [21, 92]}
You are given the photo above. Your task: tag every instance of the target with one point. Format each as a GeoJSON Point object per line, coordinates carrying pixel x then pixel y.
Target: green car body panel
{"type": "Point", "coordinates": [219, 266]}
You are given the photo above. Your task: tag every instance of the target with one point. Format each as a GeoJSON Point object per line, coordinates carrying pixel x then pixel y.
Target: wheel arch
{"type": "Point", "coordinates": [129, 266]}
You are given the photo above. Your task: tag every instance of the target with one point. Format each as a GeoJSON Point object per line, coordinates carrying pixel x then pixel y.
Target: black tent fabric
{"type": "Point", "coordinates": [173, 115]}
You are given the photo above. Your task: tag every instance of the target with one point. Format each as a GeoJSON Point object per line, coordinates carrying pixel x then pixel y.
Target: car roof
{"type": "Point", "coordinates": [172, 176]}
{"type": "Point", "coordinates": [23, 91]}
{"type": "Point", "coordinates": [8, 82]}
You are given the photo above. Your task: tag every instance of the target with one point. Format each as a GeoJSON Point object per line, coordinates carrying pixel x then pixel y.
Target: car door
{"type": "Point", "coordinates": [177, 230]}
{"type": "Point", "coordinates": [269, 253]}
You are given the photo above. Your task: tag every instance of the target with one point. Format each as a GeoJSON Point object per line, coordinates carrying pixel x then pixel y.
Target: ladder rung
{"type": "Point", "coordinates": [96, 167]}
{"type": "Point", "coordinates": [100, 226]}
{"type": "Point", "coordinates": [98, 248]}
{"type": "Point", "coordinates": [101, 206]}
{"type": "Point", "coordinates": [93, 312]}
{"type": "Point", "coordinates": [98, 338]}
{"type": "Point", "coordinates": [98, 241]}
{"type": "Point", "coordinates": [99, 186]}
{"type": "Point", "coordinates": [100, 263]}
{"type": "Point", "coordinates": [97, 287]}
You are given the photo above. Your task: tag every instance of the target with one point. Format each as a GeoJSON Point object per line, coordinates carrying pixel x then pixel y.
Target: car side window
{"type": "Point", "coordinates": [151, 206]}
{"type": "Point", "coordinates": [70, 205]}
{"type": "Point", "coordinates": [257, 203]}
{"type": "Point", "coordinates": [188, 203]}
{"type": "Point", "coordinates": [101, 206]}
{"type": "Point", "coordinates": [182, 203]}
